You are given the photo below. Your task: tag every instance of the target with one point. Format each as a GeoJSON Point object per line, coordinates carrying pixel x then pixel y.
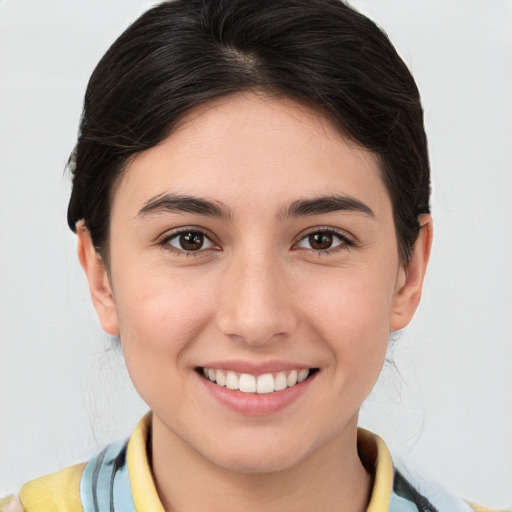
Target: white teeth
{"type": "Point", "coordinates": [280, 381]}
{"type": "Point", "coordinates": [231, 380]}
{"type": "Point", "coordinates": [302, 375]}
{"type": "Point", "coordinates": [220, 378]}
{"type": "Point", "coordinates": [265, 383]}
{"type": "Point", "coordinates": [247, 383]}
{"type": "Point", "coordinates": [292, 379]}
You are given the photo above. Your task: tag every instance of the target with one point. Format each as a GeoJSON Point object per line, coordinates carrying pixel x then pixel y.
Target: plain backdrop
{"type": "Point", "coordinates": [444, 405]}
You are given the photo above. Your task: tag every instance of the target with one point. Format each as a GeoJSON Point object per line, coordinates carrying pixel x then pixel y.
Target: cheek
{"type": "Point", "coordinates": [351, 313]}
{"type": "Point", "coordinates": [159, 316]}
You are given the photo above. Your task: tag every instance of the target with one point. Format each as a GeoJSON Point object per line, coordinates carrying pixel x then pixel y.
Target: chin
{"type": "Point", "coordinates": [258, 457]}
{"type": "Point", "coordinates": [258, 464]}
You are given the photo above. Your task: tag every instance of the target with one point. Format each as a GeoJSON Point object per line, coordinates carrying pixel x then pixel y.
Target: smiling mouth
{"type": "Point", "coordinates": [261, 384]}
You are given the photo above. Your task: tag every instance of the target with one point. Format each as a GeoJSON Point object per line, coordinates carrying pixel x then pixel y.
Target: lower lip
{"type": "Point", "coordinates": [254, 404]}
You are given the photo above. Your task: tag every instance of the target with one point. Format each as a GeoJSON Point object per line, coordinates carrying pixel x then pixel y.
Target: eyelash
{"type": "Point", "coordinates": [345, 242]}
{"type": "Point", "coordinates": [165, 242]}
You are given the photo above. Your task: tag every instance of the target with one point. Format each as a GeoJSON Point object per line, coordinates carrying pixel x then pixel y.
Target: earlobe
{"type": "Point", "coordinates": [410, 282]}
{"type": "Point", "coordinates": [99, 282]}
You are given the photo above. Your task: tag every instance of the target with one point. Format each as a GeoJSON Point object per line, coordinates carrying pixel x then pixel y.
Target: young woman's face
{"type": "Point", "coordinates": [254, 240]}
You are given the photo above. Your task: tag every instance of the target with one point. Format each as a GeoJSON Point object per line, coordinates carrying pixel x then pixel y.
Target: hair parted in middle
{"type": "Point", "coordinates": [184, 53]}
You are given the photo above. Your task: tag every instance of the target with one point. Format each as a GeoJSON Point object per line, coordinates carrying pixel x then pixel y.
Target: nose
{"type": "Point", "coordinates": [255, 304]}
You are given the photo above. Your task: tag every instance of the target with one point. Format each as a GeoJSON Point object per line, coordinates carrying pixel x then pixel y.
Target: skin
{"type": "Point", "coordinates": [259, 291]}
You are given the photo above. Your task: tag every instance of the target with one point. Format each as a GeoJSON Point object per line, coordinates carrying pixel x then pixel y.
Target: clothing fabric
{"type": "Point", "coordinates": [119, 479]}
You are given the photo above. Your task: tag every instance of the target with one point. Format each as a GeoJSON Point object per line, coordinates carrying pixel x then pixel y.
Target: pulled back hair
{"type": "Point", "coordinates": [183, 53]}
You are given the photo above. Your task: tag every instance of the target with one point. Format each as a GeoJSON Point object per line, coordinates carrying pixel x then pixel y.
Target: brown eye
{"type": "Point", "coordinates": [190, 241]}
{"type": "Point", "coordinates": [323, 241]}
{"type": "Point", "coordinates": [320, 241]}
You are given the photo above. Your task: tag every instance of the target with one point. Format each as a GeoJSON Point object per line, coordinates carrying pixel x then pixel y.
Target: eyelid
{"type": "Point", "coordinates": [163, 240]}
{"type": "Point", "coordinates": [347, 239]}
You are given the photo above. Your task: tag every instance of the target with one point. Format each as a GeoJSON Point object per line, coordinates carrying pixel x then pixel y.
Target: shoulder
{"type": "Point", "coordinates": [53, 493]}
{"type": "Point", "coordinates": [10, 504]}
{"type": "Point", "coordinates": [479, 508]}
{"type": "Point", "coordinates": [96, 484]}
{"type": "Point", "coordinates": [402, 490]}
{"type": "Point", "coordinates": [427, 496]}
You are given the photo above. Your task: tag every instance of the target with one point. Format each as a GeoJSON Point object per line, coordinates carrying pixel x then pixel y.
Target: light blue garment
{"type": "Point", "coordinates": [105, 484]}
{"type": "Point", "coordinates": [105, 487]}
{"type": "Point", "coordinates": [398, 504]}
{"type": "Point", "coordinates": [438, 496]}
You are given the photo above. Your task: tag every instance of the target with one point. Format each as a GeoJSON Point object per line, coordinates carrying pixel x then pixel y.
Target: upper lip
{"type": "Point", "coordinates": [253, 368]}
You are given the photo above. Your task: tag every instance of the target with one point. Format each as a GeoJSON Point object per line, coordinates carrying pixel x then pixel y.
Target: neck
{"type": "Point", "coordinates": [331, 479]}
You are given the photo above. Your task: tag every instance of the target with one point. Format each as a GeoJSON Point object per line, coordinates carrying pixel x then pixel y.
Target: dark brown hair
{"type": "Point", "coordinates": [186, 52]}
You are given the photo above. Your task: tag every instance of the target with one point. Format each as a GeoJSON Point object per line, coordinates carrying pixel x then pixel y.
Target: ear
{"type": "Point", "coordinates": [99, 282]}
{"type": "Point", "coordinates": [410, 279]}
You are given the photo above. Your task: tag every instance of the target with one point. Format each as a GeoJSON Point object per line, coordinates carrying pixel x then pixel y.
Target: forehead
{"type": "Point", "coordinates": [253, 149]}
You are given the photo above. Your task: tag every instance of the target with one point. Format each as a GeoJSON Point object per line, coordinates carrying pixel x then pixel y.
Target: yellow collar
{"type": "Point", "coordinates": [372, 450]}
{"type": "Point", "coordinates": [144, 492]}
{"type": "Point", "coordinates": [377, 460]}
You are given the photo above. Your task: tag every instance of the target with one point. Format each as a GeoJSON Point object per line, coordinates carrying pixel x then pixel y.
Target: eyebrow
{"type": "Point", "coordinates": [326, 204]}
{"type": "Point", "coordinates": [175, 203]}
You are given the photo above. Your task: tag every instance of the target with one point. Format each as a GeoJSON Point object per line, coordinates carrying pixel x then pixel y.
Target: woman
{"type": "Point", "coordinates": [250, 195]}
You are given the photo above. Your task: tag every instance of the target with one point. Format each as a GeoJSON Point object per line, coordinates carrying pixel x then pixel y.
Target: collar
{"type": "Point", "coordinates": [372, 450]}
{"type": "Point", "coordinates": [375, 456]}
{"type": "Point", "coordinates": [142, 483]}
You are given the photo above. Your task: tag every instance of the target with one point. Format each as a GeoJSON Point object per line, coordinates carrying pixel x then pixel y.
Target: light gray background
{"type": "Point", "coordinates": [64, 392]}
